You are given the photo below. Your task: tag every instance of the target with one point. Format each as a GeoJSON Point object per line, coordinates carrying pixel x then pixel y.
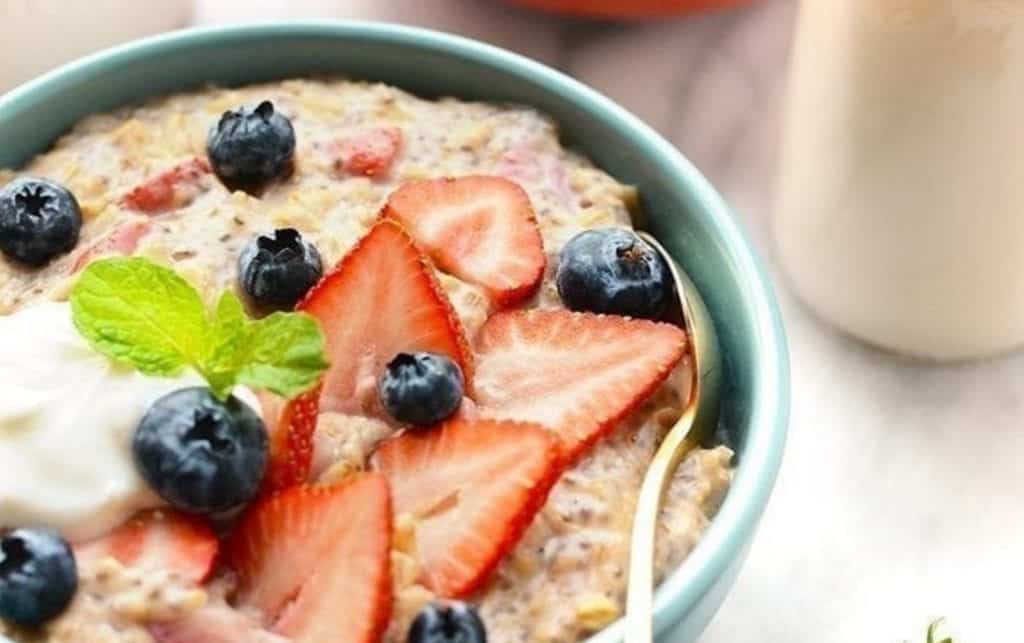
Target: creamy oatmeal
{"type": "Point", "coordinates": [567, 576]}
{"type": "Point", "coordinates": [116, 604]}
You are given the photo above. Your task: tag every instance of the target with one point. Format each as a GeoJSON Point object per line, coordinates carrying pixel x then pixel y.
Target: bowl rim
{"type": "Point", "coordinates": [727, 536]}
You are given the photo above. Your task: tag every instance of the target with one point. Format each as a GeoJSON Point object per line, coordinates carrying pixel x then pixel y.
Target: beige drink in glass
{"type": "Point", "coordinates": [900, 210]}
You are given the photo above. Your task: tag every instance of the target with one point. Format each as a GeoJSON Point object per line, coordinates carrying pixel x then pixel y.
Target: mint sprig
{"type": "Point", "coordinates": [139, 313]}
{"type": "Point", "coordinates": [933, 630]}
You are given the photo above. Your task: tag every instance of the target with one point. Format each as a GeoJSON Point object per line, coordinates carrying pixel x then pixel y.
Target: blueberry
{"type": "Point", "coordinates": [276, 271]}
{"type": "Point", "coordinates": [200, 454]}
{"type": "Point", "coordinates": [452, 622]}
{"type": "Point", "coordinates": [613, 271]}
{"type": "Point", "coordinates": [39, 219]}
{"type": "Point", "coordinates": [421, 388]}
{"type": "Point", "coordinates": [38, 577]}
{"type": "Point", "coordinates": [249, 147]}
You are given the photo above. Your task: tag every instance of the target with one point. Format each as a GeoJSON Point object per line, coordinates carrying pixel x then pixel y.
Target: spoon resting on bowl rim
{"type": "Point", "coordinates": [695, 424]}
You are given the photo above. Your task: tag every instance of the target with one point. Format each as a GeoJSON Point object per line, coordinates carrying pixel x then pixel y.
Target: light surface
{"type": "Point", "coordinates": [40, 34]}
{"type": "Point", "coordinates": [900, 497]}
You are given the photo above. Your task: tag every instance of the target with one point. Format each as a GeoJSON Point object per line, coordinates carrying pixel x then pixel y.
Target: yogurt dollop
{"type": "Point", "coordinates": [67, 417]}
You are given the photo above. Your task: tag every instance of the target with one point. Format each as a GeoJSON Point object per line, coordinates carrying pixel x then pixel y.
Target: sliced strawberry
{"type": "Point", "coordinates": [122, 240]}
{"type": "Point", "coordinates": [160, 539]}
{"type": "Point", "coordinates": [467, 411]}
{"type": "Point", "coordinates": [523, 164]}
{"type": "Point", "coordinates": [369, 152]}
{"type": "Point", "coordinates": [171, 188]}
{"type": "Point", "coordinates": [316, 560]}
{"type": "Point", "coordinates": [214, 624]}
{"type": "Point", "coordinates": [577, 373]}
{"type": "Point", "coordinates": [473, 487]}
{"type": "Point", "coordinates": [382, 299]}
{"type": "Point", "coordinates": [482, 229]}
{"type": "Point", "coordinates": [291, 425]}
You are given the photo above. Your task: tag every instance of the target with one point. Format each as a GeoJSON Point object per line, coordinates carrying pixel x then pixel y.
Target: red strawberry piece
{"type": "Point", "coordinates": [577, 373]}
{"type": "Point", "coordinates": [382, 299]}
{"type": "Point", "coordinates": [291, 425]}
{"type": "Point", "coordinates": [172, 187]}
{"type": "Point", "coordinates": [467, 411]}
{"type": "Point", "coordinates": [474, 488]}
{"type": "Point", "coordinates": [316, 560]}
{"type": "Point", "coordinates": [482, 229]}
{"type": "Point", "coordinates": [521, 163]}
{"type": "Point", "coordinates": [160, 539]}
{"type": "Point", "coordinates": [369, 152]}
{"type": "Point", "coordinates": [122, 240]}
{"type": "Point", "coordinates": [213, 624]}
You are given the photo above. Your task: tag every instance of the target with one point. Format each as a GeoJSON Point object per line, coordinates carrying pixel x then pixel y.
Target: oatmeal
{"type": "Point", "coordinates": [116, 604]}
{"type": "Point", "coordinates": [146, 188]}
{"type": "Point", "coordinates": [106, 157]}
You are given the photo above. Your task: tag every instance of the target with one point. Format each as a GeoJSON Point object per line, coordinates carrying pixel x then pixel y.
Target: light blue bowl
{"type": "Point", "coordinates": [684, 211]}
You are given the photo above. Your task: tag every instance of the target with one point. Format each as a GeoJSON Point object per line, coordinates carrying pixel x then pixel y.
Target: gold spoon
{"type": "Point", "coordinates": [696, 423]}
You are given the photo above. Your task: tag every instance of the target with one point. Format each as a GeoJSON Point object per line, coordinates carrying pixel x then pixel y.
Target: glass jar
{"type": "Point", "coordinates": [900, 209]}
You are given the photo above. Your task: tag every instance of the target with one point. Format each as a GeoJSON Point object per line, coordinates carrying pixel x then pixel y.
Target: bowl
{"type": "Point", "coordinates": [683, 211]}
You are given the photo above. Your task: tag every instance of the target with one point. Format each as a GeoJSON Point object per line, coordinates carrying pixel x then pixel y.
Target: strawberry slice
{"type": "Point", "coordinates": [291, 425]}
{"type": "Point", "coordinates": [577, 373]}
{"type": "Point", "coordinates": [160, 539]}
{"type": "Point", "coordinates": [316, 560]}
{"type": "Point", "coordinates": [370, 152]}
{"type": "Point", "coordinates": [173, 187]}
{"type": "Point", "coordinates": [473, 487]}
{"type": "Point", "coordinates": [382, 299]}
{"type": "Point", "coordinates": [213, 624]}
{"type": "Point", "coordinates": [482, 229]}
{"type": "Point", "coordinates": [122, 240]}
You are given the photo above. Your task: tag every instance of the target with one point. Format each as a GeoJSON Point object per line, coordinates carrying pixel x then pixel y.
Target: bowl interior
{"type": "Point", "coordinates": [682, 209]}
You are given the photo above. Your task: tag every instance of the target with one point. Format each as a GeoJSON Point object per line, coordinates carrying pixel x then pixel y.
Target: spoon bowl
{"type": "Point", "coordinates": [696, 423]}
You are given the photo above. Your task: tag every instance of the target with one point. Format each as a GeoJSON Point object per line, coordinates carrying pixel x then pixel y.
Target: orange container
{"type": "Point", "coordinates": [626, 9]}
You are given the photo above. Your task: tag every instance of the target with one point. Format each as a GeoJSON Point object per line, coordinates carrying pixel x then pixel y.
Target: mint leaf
{"type": "Point", "coordinates": [228, 318]}
{"type": "Point", "coordinates": [227, 335]}
{"type": "Point", "coordinates": [139, 313]}
{"type": "Point", "coordinates": [932, 633]}
{"type": "Point", "coordinates": [283, 353]}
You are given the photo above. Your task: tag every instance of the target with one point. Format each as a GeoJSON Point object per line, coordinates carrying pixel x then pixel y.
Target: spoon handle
{"type": "Point", "coordinates": [696, 423]}
{"type": "Point", "coordinates": [640, 600]}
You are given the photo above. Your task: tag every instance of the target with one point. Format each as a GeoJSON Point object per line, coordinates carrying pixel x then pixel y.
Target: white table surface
{"type": "Point", "coordinates": [902, 494]}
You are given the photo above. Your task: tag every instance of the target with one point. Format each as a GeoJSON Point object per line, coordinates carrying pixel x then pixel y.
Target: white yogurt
{"type": "Point", "coordinates": [67, 415]}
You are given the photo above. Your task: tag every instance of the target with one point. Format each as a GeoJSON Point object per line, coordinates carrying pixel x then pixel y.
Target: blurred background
{"type": "Point", "coordinates": [900, 497]}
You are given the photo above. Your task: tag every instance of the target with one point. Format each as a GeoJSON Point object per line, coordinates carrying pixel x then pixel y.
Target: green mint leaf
{"type": "Point", "coordinates": [283, 353]}
{"type": "Point", "coordinates": [933, 632]}
{"type": "Point", "coordinates": [137, 312]}
{"type": "Point", "coordinates": [229, 317]}
{"type": "Point", "coordinates": [228, 334]}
